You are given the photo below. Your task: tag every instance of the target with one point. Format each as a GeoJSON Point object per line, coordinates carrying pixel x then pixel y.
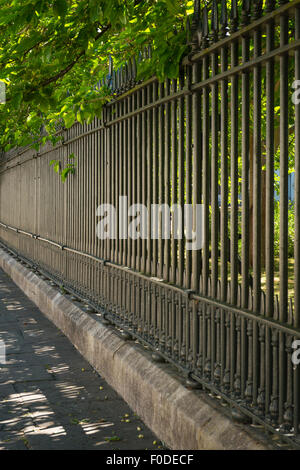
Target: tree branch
{"type": "Point", "coordinates": [63, 72]}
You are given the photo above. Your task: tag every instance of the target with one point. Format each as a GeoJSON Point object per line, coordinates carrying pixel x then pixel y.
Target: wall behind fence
{"type": "Point", "coordinates": [226, 314]}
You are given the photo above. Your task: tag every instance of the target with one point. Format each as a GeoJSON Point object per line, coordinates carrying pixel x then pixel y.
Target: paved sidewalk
{"type": "Point", "coordinates": [50, 397]}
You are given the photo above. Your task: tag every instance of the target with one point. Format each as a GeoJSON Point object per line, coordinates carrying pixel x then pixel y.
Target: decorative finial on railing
{"type": "Point", "coordinates": [188, 31]}
{"type": "Point", "coordinates": [126, 74]}
{"type": "Point", "coordinates": [111, 66]}
{"type": "Point", "coordinates": [195, 24]}
{"type": "Point", "coordinates": [245, 18]}
{"type": "Point", "coordinates": [213, 36]}
{"type": "Point", "coordinates": [134, 68]}
{"type": "Point", "coordinates": [196, 15]}
{"type": "Point", "coordinates": [270, 6]}
{"type": "Point", "coordinates": [121, 77]}
{"type": "Point", "coordinates": [113, 81]}
{"type": "Point", "coordinates": [118, 81]}
{"type": "Point", "coordinates": [204, 28]}
{"type": "Point", "coordinates": [198, 33]}
{"type": "Point", "coordinates": [233, 16]}
{"type": "Point", "coordinates": [223, 20]}
{"type": "Point", "coordinates": [129, 76]}
{"type": "Point", "coordinates": [257, 10]}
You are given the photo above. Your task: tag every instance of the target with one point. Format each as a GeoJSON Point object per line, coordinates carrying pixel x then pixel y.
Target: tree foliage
{"type": "Point", "coordinates": [53, 52]}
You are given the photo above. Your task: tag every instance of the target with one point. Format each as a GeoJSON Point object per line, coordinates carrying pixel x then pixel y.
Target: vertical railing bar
{"type": "Point", "coordinates": [224, 208]}
{"type": "Point", "coordinates": [224, 176]}
{"type": "Point", "coordinates": [134, 171]}
{"type": "Point", "coordinates": [257, 197]}
{"type": "Point", "coordinates": [234, 180]}
{"type": "Point", "coordinates": [91, 215]}
{"type": "Point", "coordinates": [70, 271]}
{"type": "Point", "coordinates": [214, 259]}
{"type": "Point", "coordinates": [120, 124]}
{"type": "Point", "coordinates": [283, 258]}
{"type": "Point", "coordinates": [297, 227]}
{"type": "Point", "coordinates": [245, 208]}
{"type": "Point", "coordinates": [116, 162]}
{"type": "Point", "coordinates": [108, 156]}
{"type": "Point", "coordinates": [87, 207]}
{"type": "Point", "coordinates": [196, 165]}
{"type": "Point", "coordinates": [167, 180]}
{"type": "Point", "coordinates": [144, 174]}
{"type": "Point", "coordinates": [103, 166]}
{"type": "Point", "coordinates": [174, 189]}
{"type": "Point", "coordinates": [96, 185]}
{"type": "Point", "coordinates": [196, 200]}
{"type": "Point", "coordinates": [188, 171]}
{"type": "Point", "coordinates": [83, 211]}
{"type": "Point", "coordinates": [205, 177]}
{"type": "Point", "coordinates": [214, 178]}
{"type": "Point", "coordinates": [161, 120]}
{"type": "Point", "coordinates": [269, 240]}
{"type": "Point", "coordinates": [181, 156]}
{"type": "Point", "coordinates": [155, 137]}
{"type": "Point", "coordinates": [269, 248]}
{"type": "Point", "coordinates": [149, 150]}
{"type": "Point", "coordinates": [130, 181]}
{"type": "Point", "coordinates": [234, 209]}
{"type": "Point", "coordinates": [125, 178]}
{"type": "Point", "coordinates": [139, 172]}
{"type": "Point", "coordinates": [112, 163]}
{"type": "Point", "coordinates": [284, 157]}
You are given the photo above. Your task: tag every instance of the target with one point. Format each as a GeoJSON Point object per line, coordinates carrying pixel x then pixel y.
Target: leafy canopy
{"type": "Point", "coordinates": [53, 52]}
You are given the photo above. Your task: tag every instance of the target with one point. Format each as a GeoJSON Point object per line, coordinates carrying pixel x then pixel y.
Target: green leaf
{"type": "Point", "coordinates": [65, 172]}
{"type": "Point", "coordinates": [69, 119]}
{"type": "Point", "coordinates": [56, 165]}
{"type": "Point", "coordinates": [60, 7]}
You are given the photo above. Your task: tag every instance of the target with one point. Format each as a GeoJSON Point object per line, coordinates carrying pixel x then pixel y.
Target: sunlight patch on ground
{"type": "Point", "coordinates": [92, 428]}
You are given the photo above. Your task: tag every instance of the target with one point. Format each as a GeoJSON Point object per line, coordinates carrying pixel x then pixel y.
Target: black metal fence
{"type": "Point", "coordinates": [227, 314]}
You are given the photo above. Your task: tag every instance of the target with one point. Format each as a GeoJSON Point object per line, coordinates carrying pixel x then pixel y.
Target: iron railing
{"type": "Point", "coordinates": [226, 315]}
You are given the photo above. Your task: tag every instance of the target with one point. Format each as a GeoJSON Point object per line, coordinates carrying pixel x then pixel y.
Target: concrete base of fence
{"type": "Point", "coordinates": [182, 418]}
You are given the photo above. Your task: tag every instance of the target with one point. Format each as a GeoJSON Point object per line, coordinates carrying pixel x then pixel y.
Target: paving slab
{"type": "Point", "coordinates": [23, 373]}
{"type": "Point", "coordinates": [50, 396]}
{"type": "Point", "coordinates": [12, 337]}
{"type": "Point", "coordinates": [6, 390]}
